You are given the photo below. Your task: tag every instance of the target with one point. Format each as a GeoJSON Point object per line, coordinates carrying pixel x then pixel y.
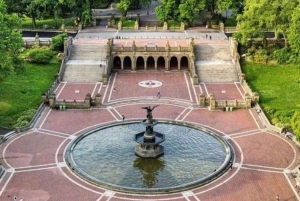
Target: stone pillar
{"type": "Point", "coordinates": [133, 63]}
{"type": "Point", "coordinates": [98, 99]}
{"type": "Point", "coordinates": [120, 25]}
{"type": "Point", "coordinates": [165, 26]}
{"type": "Point", "coordinates": [182, 26]}
{"type": "Point", "coordinates": [52, 99]}
{"type": "Point", "coordinates": [136, 25]}
{"type": "Point", "coordinates": [212, 102]}
{"type": "Point", "coordinates": [222, 27]}
{"type": "Point", "coordinates": [104, 78]}
{"type": "Point", "coordinates": [65, 47]}
{"type": "Point", "coordinates": [247, 100]}
{"type": "Point", "coordinates": [242, 78]}
{"type": "Point", "coordinates": [167, 64]}
{"type": "Point", "coordinates": [155, 63]}
{"type": "Point", "coordinates": [45, 98]}
{"type": "Point", "coordinates": [122, 63]}
{"type": "Point", "coordinates": [145, 64]}
{"type": "Point", "coordinates": [79, 26]}
{"type": "Point", "coordinates": [94, 22]}
{"type": "Point", "coordinates": [255, 97]}
{"type": "Point", "coordinates": [36, 40]}
{"type": "Point", "coordinates": [87, 101]}
{"type": "Point", "coordinates": [202, 100]}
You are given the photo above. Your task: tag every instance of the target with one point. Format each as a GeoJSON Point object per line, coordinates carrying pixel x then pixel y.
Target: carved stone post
{"type": "Point", "coordinates": [98, 99]}
{"type": "Point", "coordinates": [212, 102]}
{"type": "Point", "coordinates": [36, 40]}
{"type": "Point", "coordinates": [87, 101]}
{"type": "Point", "coordinates": [52, 100]}
{"type": "Point", "coordinates": [202, 100]}
{"type": "Point", "coordinates": [247, 100]}
{"type": "Point", "coordinates": [255, 97]}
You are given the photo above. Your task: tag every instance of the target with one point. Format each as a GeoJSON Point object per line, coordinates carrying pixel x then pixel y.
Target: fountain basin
{"type": "Point", "coordinates": [193, 156]}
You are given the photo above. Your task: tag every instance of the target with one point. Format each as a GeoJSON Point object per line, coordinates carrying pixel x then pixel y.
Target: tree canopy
{"type": "Point", "coordinates": [11, 42]}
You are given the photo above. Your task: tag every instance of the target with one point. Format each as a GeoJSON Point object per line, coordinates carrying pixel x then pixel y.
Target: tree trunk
{"type": "Point", "coordinates": [33, 22]}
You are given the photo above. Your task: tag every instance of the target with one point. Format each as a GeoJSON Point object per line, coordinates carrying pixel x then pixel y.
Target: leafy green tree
{"type": "Point", "coordinates": [223, 5]}
{"type": "Point", "coordinates": [189, 9]}
{"type": "Point", "coordinates": [265, 15]}
{"type": "Point", "coordinates": [293, 31]}
{"type": "Point", "coordinates": [11, 42]}
{"type": "Point", "coordinates": [123, 7]}
{"type": "Point", "coordinates": [295, 122]}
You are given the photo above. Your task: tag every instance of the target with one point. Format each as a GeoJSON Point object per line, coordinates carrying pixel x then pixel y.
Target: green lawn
{"type": "Point", "coordinates": [22, 92]}
{"type": "Point", "coordinates": [49, 21]}
{"type": "Point", "coordinates": [278, 88]}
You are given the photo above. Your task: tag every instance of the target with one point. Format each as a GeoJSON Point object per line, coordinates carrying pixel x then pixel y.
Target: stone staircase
{"type": "Point", "coordinates": [214, 63]}
{"type": "Point", "coordinates": [84, 63]}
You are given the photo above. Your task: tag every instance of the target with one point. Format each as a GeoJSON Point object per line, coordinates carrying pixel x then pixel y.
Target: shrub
{"type": "Point", "coordinates": [282, 55]}
{"type": "Point", "coordinates": [295, 122]}
{"type": "Point", "coordinates": [25, 118]}
{"type": "Point", "coordinates": [58, 42]}
{"type": "Point", "coordinates": [40, 56]}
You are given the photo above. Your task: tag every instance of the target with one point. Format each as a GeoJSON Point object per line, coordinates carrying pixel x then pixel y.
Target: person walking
{"type": "Point", "coordinates": [277, 197]}
{"type": "Point", "coordinates": [115, 89]}
{"type": "Point", "coordinates": [158, 94]}
{"type": "Point", "coordinates": [209, 37]}
{"type": "Point", "coordinates": [15, 198]}
{"type": "Point", "coordinates": [123, 117]}
{"type": "Point", "coordinates": [230, 165]}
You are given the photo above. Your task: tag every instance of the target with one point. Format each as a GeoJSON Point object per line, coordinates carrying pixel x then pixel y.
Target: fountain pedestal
{"type": "Point", "coordinates": [149, 141]}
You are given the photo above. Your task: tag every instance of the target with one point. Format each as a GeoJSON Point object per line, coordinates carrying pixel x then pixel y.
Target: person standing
{"type": "Point", "coordinates": [123, 117]}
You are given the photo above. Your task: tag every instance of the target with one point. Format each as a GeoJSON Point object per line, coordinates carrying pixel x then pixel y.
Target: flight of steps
{"type": "Point", "coordinates": [84, 63]}
{"type": "Point", "coordinates": [214, 63]}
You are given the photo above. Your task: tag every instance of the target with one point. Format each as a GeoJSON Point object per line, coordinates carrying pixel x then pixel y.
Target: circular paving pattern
{"type": "Point", "coordinates": [150, 83]}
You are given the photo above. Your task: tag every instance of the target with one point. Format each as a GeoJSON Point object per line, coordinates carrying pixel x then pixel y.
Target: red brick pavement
{"type": "Point", "coordinates": [37, 169]}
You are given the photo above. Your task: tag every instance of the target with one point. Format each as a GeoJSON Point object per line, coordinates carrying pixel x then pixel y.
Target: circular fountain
{"type": "Point", "coordinates": [149, 141]}
{"type": "Point", "coordinates": [191, 156]}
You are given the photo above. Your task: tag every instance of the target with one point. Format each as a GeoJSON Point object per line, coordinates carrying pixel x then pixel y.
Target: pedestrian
{"type": "Point", "coordinates": [297, 185]}
{"type": "Point", "coordinates": [277, 197]}
{"type": "Point", "coordinates": [15, 198]}
{"type": "Point", "coordinates": [123, 117]}
{"type": "Point", "coordinates": [21, 199]}
{"type": "Point", "coordinates": [230, 165]}
{"type": "Point", "coordinates": [115, 88]}
{"type": "Point", "coordinates": [206, 36]}
{"type": "Point", "coordinates": [158, 94]}
{"type": "Point", "coordinates": [209, 37]}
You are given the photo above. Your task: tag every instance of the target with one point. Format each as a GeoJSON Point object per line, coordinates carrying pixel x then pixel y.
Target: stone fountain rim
{"type": "Point", "coordinates": [230, 153]}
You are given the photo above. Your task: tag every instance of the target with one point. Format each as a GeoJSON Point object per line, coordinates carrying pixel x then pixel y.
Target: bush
{"type": "Point", "coordinates": [295, 122]}
{"type": "Point", "coordinates": [25, 119]}
{"type": "Point", "coordinates": [40, 56]}
{"type": "Point", "coordinates": [58, 42]}
{"type": "Point", "coordinates": [282, 55]}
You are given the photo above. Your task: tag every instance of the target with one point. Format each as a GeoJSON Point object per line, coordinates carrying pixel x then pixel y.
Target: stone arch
{"type": "Point", "coordinates": [117, 62]}
{"type": "Point", "coordinates": [127, 63]}
{"type": "Point", "coordinates": [184, 63]}
{"type": "Point", "coordinates": [150, 63]}
{"type": "Point", "coordinates": [173, 63]}
{"type": "Point", "coordinates": [140, 63]}
{"type": "Point", "coordinates": [161, 63]}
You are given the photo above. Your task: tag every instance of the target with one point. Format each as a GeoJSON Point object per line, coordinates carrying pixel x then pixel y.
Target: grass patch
{"type": "Point", "coordinates": [230, 22]}
{"type": "Point", "coordinates": [278, 88]}
{"type": "Point", "coordinates": [22, 92]}
{"type": "Point", "coordinates": [49, 21]}
{"type": "Point", "coordinates": [128, 23]}
{"type": "Point", "coordinates": [173, 24]}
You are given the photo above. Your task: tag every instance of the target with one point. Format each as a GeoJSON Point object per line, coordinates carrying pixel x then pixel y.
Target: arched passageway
{"type": "Point", "coordinates": [150, 63]}
{"type": "Point", "coordinates": [173, 63]}
{"type": "Point", "coordinates": [117, 63]}
{"type": "Point", "coordinates": [140, 63]}
{"type": "Point", "coordinates": [184, 63]}
{"type": "Point", "coordinates": [127, 63]}
{"type": "Point", "coordinates": [161, 63]}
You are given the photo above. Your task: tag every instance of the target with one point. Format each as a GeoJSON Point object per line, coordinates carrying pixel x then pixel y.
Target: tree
{"type": "Point", "coordinates": [293, 31]}
{"type": "Point", "coordinates": [265, 15]}
{"type": "Point", "coordinates": [11, 42]}
{"type": "Point", "coordinates": [123, 7]}
{"type": "Point", "coordinates": [295, 122]}
{"type": "Point", "coordinates": [189, 9]}
{"type": "Point", "coordinates": [223, 5]}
